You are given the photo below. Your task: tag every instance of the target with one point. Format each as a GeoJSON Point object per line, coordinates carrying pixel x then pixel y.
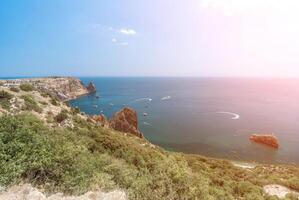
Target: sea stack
{"type": "Point", "coordinates": [91, 87]}
{"type": "Point", "coordinates": [126, 121]}
{"type": "Point", "coordinates": [269, 140]}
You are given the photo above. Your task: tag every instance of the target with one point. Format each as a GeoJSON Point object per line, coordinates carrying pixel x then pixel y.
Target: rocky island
{"type": "Point", "coordinates": [49, 150]}
{"type": "Point", "coordinates": [269, 140]}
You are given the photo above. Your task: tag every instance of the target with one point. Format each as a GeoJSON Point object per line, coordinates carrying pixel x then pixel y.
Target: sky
{"type": "Point", "coordinates": [149, 38]}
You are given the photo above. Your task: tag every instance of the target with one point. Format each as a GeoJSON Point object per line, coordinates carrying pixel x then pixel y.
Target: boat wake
{"type": "Point", "coordinates": [234, 115]}
{"type": "Point", "coordinates": [166, 98]}
{"type": "Point", "coordinates": [146, 123]}
{"type": "Point", "coordinates": [143, 99]}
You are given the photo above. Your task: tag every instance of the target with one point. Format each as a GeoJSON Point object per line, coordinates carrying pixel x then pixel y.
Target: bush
{"type": "Point", "coordinates": [43, 103]}
{"type": "Point", "coordinates": [26, 87]}
{"type": "Point", "coordinates": [4, 99]}
{"type": "Point", "coordinates": [54, 102]}
{"type": "Point", "coordinates": [14, 89]}
{"type": "Point", "coordinates": [5, 95]}
{"type": "Point", "coordinates": [75, 110]}
{"type": "Point", "coordinates": [21, 150]}
{"type": "Point", "coordinates": [61, 116]}
{"type": "Point", "coordinates": [30, 104]}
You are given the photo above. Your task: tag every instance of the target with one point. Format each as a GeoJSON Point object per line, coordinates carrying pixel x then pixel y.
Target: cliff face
{"type": "Point", "coordinates": [126, 121]}
{"type": "Point", "coordinates": [64, 88]}
{"type": "Point", "coordinates": [91, 87]}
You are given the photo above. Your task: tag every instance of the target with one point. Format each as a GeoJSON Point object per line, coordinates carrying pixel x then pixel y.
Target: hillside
{"type": "Point", "coordinates": [56, 148]}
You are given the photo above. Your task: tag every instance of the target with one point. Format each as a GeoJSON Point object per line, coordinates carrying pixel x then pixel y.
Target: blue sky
{"type": "Point", "coordinates": [149, 38]}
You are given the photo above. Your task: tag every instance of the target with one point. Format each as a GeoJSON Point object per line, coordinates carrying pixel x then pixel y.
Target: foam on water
{"type": "Point", "coordinates": [234, 115]}
{"type": "Point", "coordinates": [143, 99]}
{"type": "Point", "coordinates": [166, 98]}
{"type": "Point", "coordinates": [146, 123]}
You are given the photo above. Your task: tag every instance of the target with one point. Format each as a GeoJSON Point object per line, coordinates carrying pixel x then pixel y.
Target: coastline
{"type": "Point", "coordinates": [115, 156]}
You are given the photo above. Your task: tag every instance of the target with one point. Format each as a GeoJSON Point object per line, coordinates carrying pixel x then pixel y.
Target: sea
{"type": "Point", "coordinates": [208, 116]}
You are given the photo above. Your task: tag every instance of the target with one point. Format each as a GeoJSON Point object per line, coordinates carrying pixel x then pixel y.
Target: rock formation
{"type": "Point", "coordinates": [22, 192]}
{"type": "Point", "coordinates": [126, 121]}
{"type": "Point", "coordinates": [63, 88]}
{"type": "Point", "coordinates": [269, 140]}
{"type": "Point", "coordinates": [91, 87]}
{"type": "Point", "coordinates": [101, 119]}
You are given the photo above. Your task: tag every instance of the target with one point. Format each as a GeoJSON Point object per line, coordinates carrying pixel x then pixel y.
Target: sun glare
{"type": "Point", "coordinates": [231, 7]}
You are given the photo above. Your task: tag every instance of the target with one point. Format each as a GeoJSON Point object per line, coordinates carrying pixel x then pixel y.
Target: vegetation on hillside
{"type": "Point", "coordinates": [26, 87]}
{"type": "Point", "coordinates": [14, 89]}
{"type": "Point", "coordinates": [90, 157]}
{"type": "Point", "coordinates": [60, 117]}
{"type": "Point", "coordinates": [5, 98]}
{"type": "Point", "coordinates": [30, 104]}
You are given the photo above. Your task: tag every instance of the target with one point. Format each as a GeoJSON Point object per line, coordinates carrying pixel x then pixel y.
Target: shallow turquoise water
{"type": "Point", "coordinates": [209, 116]}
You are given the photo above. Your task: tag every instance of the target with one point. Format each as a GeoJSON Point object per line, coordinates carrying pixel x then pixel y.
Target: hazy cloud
{"type": "Point", "coordinates": [124, 43]}
{"type": "Point", "coordinates": [114, 40]}
{"type": "Point", "coordinates": [127, 31]}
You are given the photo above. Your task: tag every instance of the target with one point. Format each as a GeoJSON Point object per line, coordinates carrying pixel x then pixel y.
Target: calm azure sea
{"type": "Point", "coordinates": [207, 116]}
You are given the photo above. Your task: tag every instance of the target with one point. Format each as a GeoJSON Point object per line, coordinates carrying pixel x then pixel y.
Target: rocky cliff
{"type": "Point", "coordinates": [125, 121]}
{"type": "Point", "coordinates": [91, 87]}
{"type": "Point", "coordinates": [63, 88]}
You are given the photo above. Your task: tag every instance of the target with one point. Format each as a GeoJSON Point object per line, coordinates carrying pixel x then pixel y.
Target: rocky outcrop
{"type": "Point", "coordinates": [126, 121]}
{"type": "Point", "coordinates": [91, 87]}
{"type": "Point", "coordinates": [269, 140]}
{"type": "Point", "coordinates": [101, 119]}
{"type": "Point", "coordinates": [279, 191]}
{"type": "Point", "coordinates": [27, 192]}
{"type": "Point", "coordinates": [63, 88]}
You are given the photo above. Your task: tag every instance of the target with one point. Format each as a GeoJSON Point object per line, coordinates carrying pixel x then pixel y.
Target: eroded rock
{"type": "Point", "coordinates": [101, 119]}
{"type": "Point", "coordinates": [27, 192]}
{"type": "Point", "coordinates": [269, 140]}
{"type": "Point", "coordinates": [278, 190]}
{"type": "Point", "coordinates": [126, 121]}
{"type": "Point", "coordinates": [91, 87]}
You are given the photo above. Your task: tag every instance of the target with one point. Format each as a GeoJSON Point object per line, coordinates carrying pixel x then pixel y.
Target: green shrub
{"type": "Point", "coordinates": [294, 184]}
{"type": "Point", "coordinates": [63, 115]}
{"type": "Point", "coordinates": [30, 104]}
{"type": "Point", "coordinates": [43, 103]}
{"type": "Point", "coordinates": [5, 95]}
{"type": "Point", "coordinates": [75, 111]}
{"type": "Point", "coordinates": [4, 99]}
{"type": "Point", "coordinates": [14, 89]}
{"type": "Point", "coordinates": [26, 87]}
{"type": "Point", "coordinates": [54, 102]}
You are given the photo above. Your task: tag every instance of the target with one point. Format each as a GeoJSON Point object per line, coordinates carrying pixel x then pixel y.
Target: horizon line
{"type": "Point", "coordinates": [146, 76]}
